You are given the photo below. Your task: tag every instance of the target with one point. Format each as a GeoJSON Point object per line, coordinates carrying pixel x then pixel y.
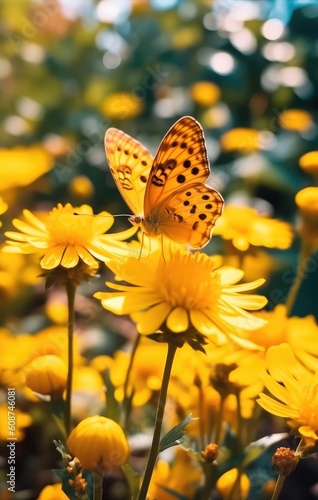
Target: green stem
{"type": "Point", "coordinates": [240, 438]}
{"type": "Point", "coordinates": [209, 480]}
{"type": "Point", "coordinates": [278, 487]}
{"type": "Point", "coordinates": [158, 423]}
{"type": "Point", "coordinates": [219, 422]}
{"type": "Point", "coordinates": [305, 253]}
{"type": "Point", "coordinates": [126, 402]}
{"type": "Point", "coordinates": [201, 423]}
{"type": "Point", "coordinates": [236, 488]}
{"type": "Point", "coordinates": [98, 486]}
{"type": "Point", "coordinates": [70, 290]}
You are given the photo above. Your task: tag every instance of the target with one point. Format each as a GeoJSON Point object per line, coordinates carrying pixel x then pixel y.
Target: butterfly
{"type": "Point", "coordinates": [167, 194]}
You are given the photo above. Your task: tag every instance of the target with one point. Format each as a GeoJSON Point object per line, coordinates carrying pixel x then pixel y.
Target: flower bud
{"type": "Point", "coordinates": [46, 375]}
{"type": "Point", "coordinates": [99, 443]}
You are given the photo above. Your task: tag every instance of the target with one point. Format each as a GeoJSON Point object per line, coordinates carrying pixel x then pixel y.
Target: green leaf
{"type": "Point", "coordinates": [133, 479]}
{"type": "Point", "coordinates": [175, 435]}
{"type": "Point", "coordinates": [112, 406]}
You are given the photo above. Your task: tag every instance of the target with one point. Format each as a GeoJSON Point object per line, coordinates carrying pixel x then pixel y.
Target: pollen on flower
{"type": "Point", "coordinates": [66, 229]}
{"type": "Point", "coordinates": [191, 289]}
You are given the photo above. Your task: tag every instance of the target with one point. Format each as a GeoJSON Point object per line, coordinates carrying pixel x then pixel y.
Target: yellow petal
{"type": "Point", "coordinates": [53, 257]}
{"type": "Point", "coordinates": [70, 258]}
{"type": "Point", "coordinates": [178, 320]}
{"type": "Point", "coordinates": [150, 321]}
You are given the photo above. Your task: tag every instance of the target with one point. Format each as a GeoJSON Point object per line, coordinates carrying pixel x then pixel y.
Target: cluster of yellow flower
{"type": "Point", "coordinates": [222, 355]}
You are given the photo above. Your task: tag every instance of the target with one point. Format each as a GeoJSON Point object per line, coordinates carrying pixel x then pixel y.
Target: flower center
{"type": "Point", "coordinates": [188, 281]}
{"type": "Point", "coordinates": [65, 228]}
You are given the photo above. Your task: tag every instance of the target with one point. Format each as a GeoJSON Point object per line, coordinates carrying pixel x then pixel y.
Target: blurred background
{"type": "Point", "coordinates": [69, 69]}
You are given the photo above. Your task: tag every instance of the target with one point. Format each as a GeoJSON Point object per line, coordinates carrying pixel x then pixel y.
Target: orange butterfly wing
{"type": "Point", "coordinates": [130, 163]}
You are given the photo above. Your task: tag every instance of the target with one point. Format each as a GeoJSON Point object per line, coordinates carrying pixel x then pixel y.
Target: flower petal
{"type": "Point", "coordinates": [178, 320]}
{"type": "Point", "coordinates": [70, 258]}
{"type": "Point", "coordinates": [151, 320]}
{"type": "Point", "coordinates": [129, 303]}
{"type": "Point", "coordinates": [52, 257]}
{"type": "Point", "coordinates": [85, 256]}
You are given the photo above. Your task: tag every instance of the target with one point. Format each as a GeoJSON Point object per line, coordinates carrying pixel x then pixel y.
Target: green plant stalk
{"type": "Point", "coordinates": [240, 438]}
{"type": "Point", "coordinates": [126, 405]}
{"type": "Point", "coordinates": [201, 424]}
{"type": "Point", "coordinates": [305, 252]}
{"type": "Point", "coordinates": [278, 487]}
{"type": "Point", "coordinates": [219, 422]}
{"type": "Point", "coordinates": [236, 488]}
{"type": "Point", "coordinates": [98, 486]}
{"type": "Point", "coordinates": [70, 290]}
{"type": "Point", "coordinates": [158, 423]}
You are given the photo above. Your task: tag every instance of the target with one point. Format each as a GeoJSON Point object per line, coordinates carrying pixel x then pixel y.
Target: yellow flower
{"type": "Point", "coordinates": [46, 375]}
{"type": "Point", "coordinates": [146, 372]}
{"type": "Point", "coordinates": [53, 492]}
{"type": "Point", "coordinates": [66, 239]}
{"type": "Point", "coordinates": [16, 273]}
{"type": "Point", "coordinates": [122, 106]}
{"type": "Point", "coordinates": [295, 120]}
{"type": "Point", "coordinates": [205, 93]}
{"type": "Point", "coordinates": [300, 333]}
{"type": "Point", "coordinates": [307, 202]}
{"type": "Point", "coordinates": [23, 165]}
{"type": "Point", "coordinates": [309, 162]}
{"type": "Point", "coordinates": [22, 420]}
{"type": "Point", "coordinates": [244, 227]}
{"type": "Point", "coordinates": [183, 477]}
{"type": "Point", "coordinates": [183, 291]}
{"type": "Point", "coordinates": [227, 482]}
{"type": "Point", "coordinates": [241, 139]}
{"type": "Point", "coordinates": [81, 187]}
{"type": "Point", "coordinates": [99, 443]}
{"type": "Point", "coordinates": [294, 392]}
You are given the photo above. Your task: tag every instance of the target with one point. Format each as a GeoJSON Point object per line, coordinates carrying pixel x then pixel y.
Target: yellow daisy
{"type": "Point", "coordinates": [296, 120]}
{"type": "Point", "coordinates": [309, 162]}
{"type": "Point", "coordinates": [182, 292]}
{"type": "Point", "coordinates": [23, 165]}
{"type": "Point", "coordinates": [300, 333]}
{"type": "Point", "coordinates": [66, 239]}
{"type": "Point", "coordinates": [244, 227]}
{"type": "Point", "coordinates": [294, 392]}
{"type": "Point", "coordinates": [245, 140]}
{"type": "Point", "coordinates": [307, 202]}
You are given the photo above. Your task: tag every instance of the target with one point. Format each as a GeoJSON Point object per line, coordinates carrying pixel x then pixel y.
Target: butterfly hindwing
{"type": "Point", "coordinates": [130, 163]}
{"type": "Point", "coordinates": [192, 214]}
{"type": "Point", "coordinates": [181, 159]}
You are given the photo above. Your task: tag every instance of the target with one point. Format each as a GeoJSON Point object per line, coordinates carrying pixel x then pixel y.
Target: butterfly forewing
{"type": "Point", "coordinates": [181, 159]}
{"type": "Point", "coordinates": [130, 163]}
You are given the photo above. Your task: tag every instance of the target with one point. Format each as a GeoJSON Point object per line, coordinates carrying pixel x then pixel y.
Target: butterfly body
{"type": "Point", "coordinates": [167, 194]}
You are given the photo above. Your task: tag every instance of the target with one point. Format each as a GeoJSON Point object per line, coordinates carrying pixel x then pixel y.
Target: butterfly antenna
{"type": "Point", "coordinates": [98, 215]}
